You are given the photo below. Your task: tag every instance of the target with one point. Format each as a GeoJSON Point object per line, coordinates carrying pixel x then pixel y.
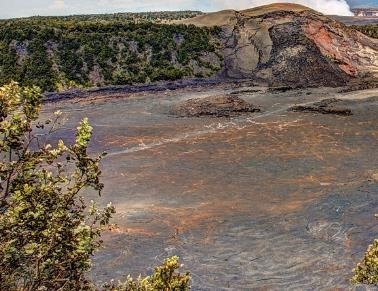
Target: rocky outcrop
{"type": "Point", "coordinates": [288, 44]}
{"type": "Point", "coordinates": [215, 106]}
{"type": "Point", "coordinates": [326, 106]}
{"type": "Point", "coordinates": [295, 59]}
{"type": "Point", "coordinates": [355, 53]}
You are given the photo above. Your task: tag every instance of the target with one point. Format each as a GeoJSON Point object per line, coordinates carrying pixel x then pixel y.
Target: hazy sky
{"type": "Point", "coordinates": [21, 8]}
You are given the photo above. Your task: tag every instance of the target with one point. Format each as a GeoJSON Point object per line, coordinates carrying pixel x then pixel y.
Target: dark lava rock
{"type": "Point", "coordinates": [363, 84]}
{"type": "Point", "coordinates": [297, 61]}
{"type": "Point", "coordinates": [281, 89]}
{"type": "Point", "coordinates": [216, 106]}
{"type": "Point", "coordinates": [326, 106]}
{"type": "Point", "coordinates": [248, 91]}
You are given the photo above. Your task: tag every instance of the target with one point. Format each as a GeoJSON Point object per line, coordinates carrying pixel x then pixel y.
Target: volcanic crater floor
{"type": "Point", "coordinates": [270, 200]}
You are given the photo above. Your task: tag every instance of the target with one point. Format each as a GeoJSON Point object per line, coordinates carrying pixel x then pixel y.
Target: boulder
{"type": "Point", "coordinates": [214, 106]}
{"type": "Point", "coordinates": [326, 106]}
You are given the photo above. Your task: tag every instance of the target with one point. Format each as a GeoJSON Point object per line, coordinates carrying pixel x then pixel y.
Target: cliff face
{"type": "Point", "coordinates": [287, 44]}
{"type": "Point", "coordinates": [355, 53]}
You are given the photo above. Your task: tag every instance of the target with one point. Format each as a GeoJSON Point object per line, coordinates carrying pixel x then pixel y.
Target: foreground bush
{"type": "Point", "coordinates": [47, 233]}
{"type": "Point", "coordinates": [366, 271]}
{"type": "Point", "coordinates": [164, 278]}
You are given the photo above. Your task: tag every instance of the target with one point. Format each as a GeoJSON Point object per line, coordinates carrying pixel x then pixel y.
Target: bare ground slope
{"type": "Point", "coordinates": [289, 44]}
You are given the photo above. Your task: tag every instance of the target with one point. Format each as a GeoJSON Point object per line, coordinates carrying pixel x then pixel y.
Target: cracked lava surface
{"type": "Point", "coordinates": [273, 200]}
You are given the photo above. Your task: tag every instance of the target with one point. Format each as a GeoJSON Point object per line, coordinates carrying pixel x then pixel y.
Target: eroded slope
{"type": "Point", "coordinates": [291, 44]}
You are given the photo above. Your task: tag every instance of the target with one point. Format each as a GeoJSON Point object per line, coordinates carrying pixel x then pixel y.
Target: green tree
{"type": "Point", "coordinates": [47, 237]}
{"type": "Point", "coordinates": [47, 233]}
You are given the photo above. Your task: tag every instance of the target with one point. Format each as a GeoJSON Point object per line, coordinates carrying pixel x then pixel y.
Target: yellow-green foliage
{"type": "Point", "coordinates": [366, 271]}
{"type": "Point", "coordinates": [164, 277]}
{"type": "Point", "coordinates": [47, 235]}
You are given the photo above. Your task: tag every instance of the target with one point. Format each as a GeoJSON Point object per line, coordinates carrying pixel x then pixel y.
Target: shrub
{"type": "Point", "coordinates": [366, 271]}
{"type": "Point", "coordinates": [163, 278]}
{"type": "Point", "coordinates": [47, 234]}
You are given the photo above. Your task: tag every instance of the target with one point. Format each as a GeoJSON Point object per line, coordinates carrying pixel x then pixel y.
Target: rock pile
{"type": "Point", "coordinates": [326, 106]}
{"type": "Point", "coordinates": [215, 106]}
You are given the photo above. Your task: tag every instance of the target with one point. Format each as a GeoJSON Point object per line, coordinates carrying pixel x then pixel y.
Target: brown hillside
{"type": "Point", "coordinates": [289, 44]}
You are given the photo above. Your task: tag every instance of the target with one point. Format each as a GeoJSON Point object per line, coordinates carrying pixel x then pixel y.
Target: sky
{"type": "Point", "coordinates": [23, 8]}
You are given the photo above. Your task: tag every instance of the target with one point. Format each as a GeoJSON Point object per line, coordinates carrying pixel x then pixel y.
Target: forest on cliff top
{"type": "Point", "coordinates": [59, 53]}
